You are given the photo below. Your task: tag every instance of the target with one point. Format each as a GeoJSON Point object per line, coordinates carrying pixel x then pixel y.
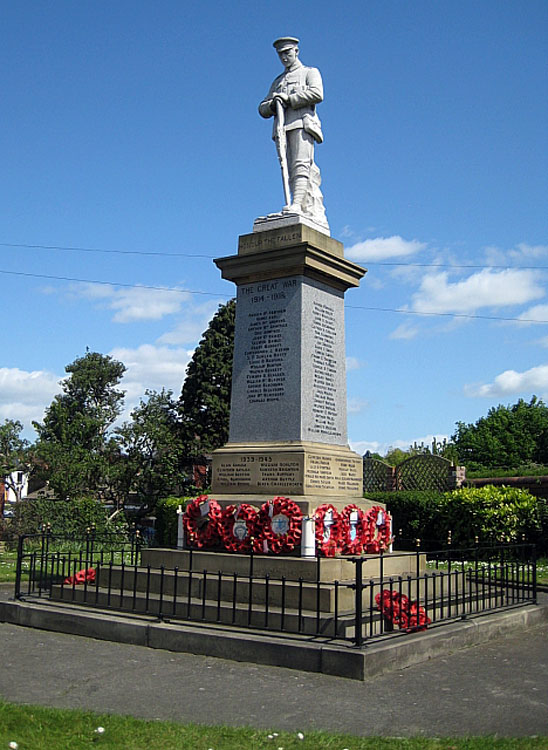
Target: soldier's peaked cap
{"type": "Point", "coordinates": [284, 42]}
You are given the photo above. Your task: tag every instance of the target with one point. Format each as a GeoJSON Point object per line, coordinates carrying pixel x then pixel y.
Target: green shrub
{"type": "Point", "coordinates": [413, 513]}
{"type": "Point", "coordinates": [166, 520]}
{"type": "Point", "coordinates": [493, 514]}
{"type": "Point", "coordinates": [542, 535]}
{"type": "Point", "coordinates": [66, 517]}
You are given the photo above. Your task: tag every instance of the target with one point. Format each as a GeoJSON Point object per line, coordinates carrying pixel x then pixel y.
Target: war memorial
{"type": "Point", "coordinates": [288, 432]}
{"type": "Point", "coordinates": [284, 562]}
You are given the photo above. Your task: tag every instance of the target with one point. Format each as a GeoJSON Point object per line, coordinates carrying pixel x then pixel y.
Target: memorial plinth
{"type": "Point", "coordinates": [288, 431]}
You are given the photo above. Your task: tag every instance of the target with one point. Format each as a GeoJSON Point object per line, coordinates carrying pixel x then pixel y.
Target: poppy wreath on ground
{"type": "Point", "coordinates": [380, 530]}
{"type": "Point", "coordinates": [397, 608]}
{"type": "Point", "coordinates": [238, 524]}
{"type": "Point", "coordinates": [279, 526]}
{"type": "Point", "coordinates": [355, 533]}
{"type": "Point", "coordinates": [328, 528]}
{"type": "Point", "coordinates": [202, 522]}
{"type": "Point", "coordinates": [87, 575]}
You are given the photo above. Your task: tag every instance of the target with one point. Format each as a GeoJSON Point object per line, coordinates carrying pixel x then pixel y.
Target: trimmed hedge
{"type": "Point", "coordinates": [166, 520]}
{"type": "Point", "coordinates": [414, 514]}
{"type": "Point", "coordinates": [493, 514]}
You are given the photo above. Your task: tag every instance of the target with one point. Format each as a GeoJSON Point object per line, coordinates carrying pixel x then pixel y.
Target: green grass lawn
{"type": "Point", "coordinates": [8, 564]}
{"type": "Point", "coordinates": [542, 568]}
{"type": "Point", "coordinates": [38, 728]}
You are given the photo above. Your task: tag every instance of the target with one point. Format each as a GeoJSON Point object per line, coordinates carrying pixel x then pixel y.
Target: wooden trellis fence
{"type": "Point", "coordinates": [422, 472]}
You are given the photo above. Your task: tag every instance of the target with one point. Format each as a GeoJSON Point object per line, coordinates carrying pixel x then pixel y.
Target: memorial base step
{"type": "Point", "coordinates": [325, 569]}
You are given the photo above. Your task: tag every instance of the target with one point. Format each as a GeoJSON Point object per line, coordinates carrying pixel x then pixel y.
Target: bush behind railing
{"type": "Point", "coordinates": [488, 514]}
{"type": "Point", "coordinates": [166, 520]}
{"type": "Point", "coordinates": [69, 518]}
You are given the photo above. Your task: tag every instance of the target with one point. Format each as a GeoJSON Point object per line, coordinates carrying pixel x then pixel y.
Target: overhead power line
{"type": "Point", "coordinates": [111, 283]}
{"type": "Point", "coordinates": [164, 254]}
{"type": "Point", "coordinates": [447, 314]}
{"type": "Point", "coordinates": [113, 252]}
{"type": "Point", "coordinates": [176, 290]}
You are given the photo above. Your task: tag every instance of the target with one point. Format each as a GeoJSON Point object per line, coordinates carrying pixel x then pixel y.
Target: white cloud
{"type": "Point", "coordinates": [521, 253]}
{"type": "Point", "coordinates": [24, 395]}
{"type": "Point", "coordinates": [361, 446]}
{"type": "Point", "coordinates": [356, 405]}
{"type": "Point", "coordinates": [383, 248]}
{"type": "Point", "coordinates": [529, 252]}
{"type": "Point", "coordinates": [538, 313]}
{"type": "Point", "coordinates": [135, 303]}
{"type": "Point", "coordinates": [151, 366]}
{"type": "Point", "coordinates": [27, 387]}
{"type": "Point", "coordinates": [425, 440]}
{"type": "Point", "coordinates": [511, 382]}
{"type": "Point", "coordinates": [486, 288]}
{"type": "Point", "coordinates": [192, 325]}
{"type": "Point", "coordinates": [353, 363]}
{"type": "Point", "coordinates": [405, 331]}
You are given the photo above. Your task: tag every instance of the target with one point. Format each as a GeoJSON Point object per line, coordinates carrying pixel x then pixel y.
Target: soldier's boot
{"type": "Point", "coordinates": [300, 185]}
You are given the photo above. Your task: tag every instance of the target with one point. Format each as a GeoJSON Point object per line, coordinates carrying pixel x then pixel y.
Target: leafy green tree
{"type": "Point", "coordinates": [15, 455]}
{"type": "Point", "coordinates": [73, 441]}
{"type": "Point", "coordinates": [396, 456]}
{"type": "Point", "coordinates": [151, 453]}
{"type": "Point", "coordinates": [204, 405]}
{"type": "Point", "coordinates": [509, 436]}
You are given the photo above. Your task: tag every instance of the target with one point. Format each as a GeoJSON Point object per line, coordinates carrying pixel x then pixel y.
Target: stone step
{"type": "Point", "coordinates": [226, 587]}
{"type": "Point", "coordinates": [258, 616]}
{"type": "Point", "coordinates": [290, 619]}
{"type": "Point", "coordinates": [326, 569]}
{"type": "Point", "coordinates": [323, 596]}
{"type": "Point", "coordinates": [320, 597]}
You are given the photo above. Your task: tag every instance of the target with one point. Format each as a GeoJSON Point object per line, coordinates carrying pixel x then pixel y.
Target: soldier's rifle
{"type": "Point", "coordinates": [281, 140]}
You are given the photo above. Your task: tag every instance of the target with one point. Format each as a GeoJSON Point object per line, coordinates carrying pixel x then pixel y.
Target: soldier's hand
{"type": "Point", "coordinates": [284, 98]}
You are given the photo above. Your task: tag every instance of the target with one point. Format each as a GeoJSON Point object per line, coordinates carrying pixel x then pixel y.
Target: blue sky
{"type": "Point", "coordinates": [133, 126]}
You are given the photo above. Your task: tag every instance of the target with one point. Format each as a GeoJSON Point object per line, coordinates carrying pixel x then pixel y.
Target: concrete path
{"type": "Point", "coordinates": [497, 688]}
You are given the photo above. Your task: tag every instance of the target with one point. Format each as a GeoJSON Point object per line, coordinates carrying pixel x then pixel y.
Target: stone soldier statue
{"type": "Point", "coordinates": [292, 102]}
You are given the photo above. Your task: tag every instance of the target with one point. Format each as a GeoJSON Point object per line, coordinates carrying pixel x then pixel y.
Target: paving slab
{"type": "Point", "coordinates": [495, 688]}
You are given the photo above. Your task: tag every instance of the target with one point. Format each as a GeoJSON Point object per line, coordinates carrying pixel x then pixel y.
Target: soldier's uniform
{"type": "Point", "coordinates": [304, 88]}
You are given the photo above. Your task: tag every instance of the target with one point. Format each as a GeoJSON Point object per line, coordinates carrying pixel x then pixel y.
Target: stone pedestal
{"type": "Point", "coordinates": [288, 410]}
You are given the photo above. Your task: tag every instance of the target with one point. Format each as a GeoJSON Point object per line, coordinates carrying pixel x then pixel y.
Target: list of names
{"type": "Point", "coordinates": [324, 405]}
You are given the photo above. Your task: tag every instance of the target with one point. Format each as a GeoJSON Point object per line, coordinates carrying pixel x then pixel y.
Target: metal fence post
{"type": "Point", "coordinates": [534, 556]}
{"type": "Point", "coordinates": [418, 559]}
{"type": "Point", "coordinates": [19, 568]}
{"type": "Point", "coordinates": [358, 635]}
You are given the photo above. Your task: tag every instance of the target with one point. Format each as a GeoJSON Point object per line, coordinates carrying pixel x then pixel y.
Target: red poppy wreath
{"type": "Point", "coordinates": [279, 526]}
{"type": "Point", "coordinates": [238, 527]}
{"type": "Point", "coordinates": [202, 520]}
{"type": "Point", "coordinates": [328, 525]}
{"type": "Point", "coordinates": [380, 530]}
{"type": "Point", "coordinates": [397, 609]}
{"type": "Point", "coordinates": [355, 533]}
{"type": "Point", "coordinates": [83, 576]}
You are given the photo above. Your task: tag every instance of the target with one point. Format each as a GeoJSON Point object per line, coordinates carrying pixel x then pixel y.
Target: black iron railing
{"type": "Point", "coordinates": [367, 601]}
{"type": "Point", "coordinates": [45, 559]}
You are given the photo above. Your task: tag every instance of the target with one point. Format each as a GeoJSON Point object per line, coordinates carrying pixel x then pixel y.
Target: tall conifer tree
{"type": "Point", "coordinates": [204, 404]}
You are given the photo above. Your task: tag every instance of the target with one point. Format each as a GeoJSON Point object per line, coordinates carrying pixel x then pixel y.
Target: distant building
{"type": "Point", "coordinates": [12, 489]}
